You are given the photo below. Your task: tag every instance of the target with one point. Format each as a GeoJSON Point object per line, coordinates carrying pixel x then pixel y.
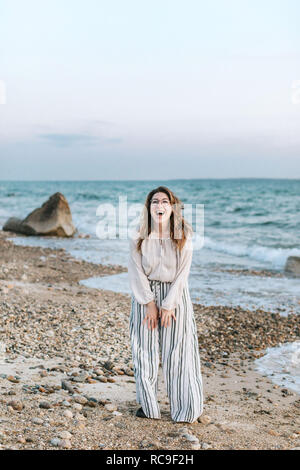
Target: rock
{"type": "Point", "coordinates": [191, 438]}
{"type": "Point", "coordinates": [81, 377]}
{"type": "Point", "coordinates": [52, 218]}
{"type": "Point", "coordinates": [292, 265]}
{"type": "Point", "coordinates": [65, 444]}
{"type": "Point", "coordinates": [77, 406]}
{"type": "Point", "coordinates": [196, 446]}
{"type": "Point", "coordinates": [13, 379]}
{"type": "Point", "coordinates": [66, 403]}
{"type": "Point", "coordinates": [79, 399]}
{"type": "Point", "coordinates": [16, 405]}
{"type": "Point", "coordinates": [79, 425]}
{"type": "Point", "coordinates": [109, 365]}
{"type": "Point", "coordinates": [68, 414]}
{"type": "Point", "coordinates": [79, 417]}
{"type": "Point", "coordinates": [102, 378]}
{"type": "Point", "coordinates": [37, 421]}
{"type": "Point", "coordinates": [45, 405]}
{"type": "Point", "coordinates": [204, 419]}
{"type": "Point", "coordinates": [55, 442]}
{"type": "Point", "coordinates": [205, 446]}
{"type": "Point", "coordinates": [91, 404]}
{"type": "Point", "coordinates": [66, 386]}
{"type": "Point", "coordinates": [65, 435]}
{"type": "Point", "coordinates": [273, 433]}
{"type": "Point", "coordinates": [110, 407]}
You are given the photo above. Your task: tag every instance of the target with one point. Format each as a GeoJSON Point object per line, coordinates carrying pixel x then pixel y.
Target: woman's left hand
{"type": "Point", "coordinates": [166, 316]}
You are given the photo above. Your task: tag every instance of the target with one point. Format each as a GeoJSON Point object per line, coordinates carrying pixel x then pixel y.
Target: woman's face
{"type": "Point", "coordinates": [160, 208]}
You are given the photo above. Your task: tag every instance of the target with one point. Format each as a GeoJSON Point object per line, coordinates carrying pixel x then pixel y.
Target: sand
{"type": "Point", "coordinates": [54, 329]}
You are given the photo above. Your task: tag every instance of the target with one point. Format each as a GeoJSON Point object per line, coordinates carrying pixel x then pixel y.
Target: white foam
{"type": "Point", "coordinates": [115, 283]}
{"type": "Point", "coordinates": [282, 365]}
{"type": "Point", "coordinates": [274, 256]}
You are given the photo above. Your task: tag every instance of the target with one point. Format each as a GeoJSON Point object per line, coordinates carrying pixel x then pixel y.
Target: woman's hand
{"type": "Point", "coordinates": [151, 315]}
{"type": "Point", "coordinates": [166, 316]}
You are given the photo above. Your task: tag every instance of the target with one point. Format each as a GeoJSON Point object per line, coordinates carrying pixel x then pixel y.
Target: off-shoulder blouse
{"type": "Point", "coordinates": [160, 260]}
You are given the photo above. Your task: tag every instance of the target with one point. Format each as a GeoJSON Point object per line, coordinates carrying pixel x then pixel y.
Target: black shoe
{"type": "Point", "coordinates": [140, 413]}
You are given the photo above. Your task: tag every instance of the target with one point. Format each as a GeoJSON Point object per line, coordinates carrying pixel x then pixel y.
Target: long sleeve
{"type": "Point", "coordinates": [173, 297]}
{"type": "Point", "coordinates": [138, 280]}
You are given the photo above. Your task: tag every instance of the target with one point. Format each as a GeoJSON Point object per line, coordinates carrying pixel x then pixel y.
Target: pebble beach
{"type": "Point", "coordinates": [66, 375]}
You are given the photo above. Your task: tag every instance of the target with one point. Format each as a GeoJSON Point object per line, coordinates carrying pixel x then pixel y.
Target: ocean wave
{"type": "Point", "coordinates": [282, 365]}
{"type": "Point", "coordinates": [88, 196]}
{"type": "Point", "coordinates": [275, 256]}
{"type": "Point", "coordinates": [4, 213]}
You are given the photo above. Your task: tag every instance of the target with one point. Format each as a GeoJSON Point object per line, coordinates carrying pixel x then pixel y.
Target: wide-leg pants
{"type": "Point", "coordinates": [180, 358]}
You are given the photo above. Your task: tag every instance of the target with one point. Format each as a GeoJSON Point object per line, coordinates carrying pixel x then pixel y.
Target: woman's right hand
{"type": "Point", "coordinates": [151, 315]}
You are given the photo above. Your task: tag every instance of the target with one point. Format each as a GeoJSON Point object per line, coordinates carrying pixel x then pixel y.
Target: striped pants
{"type": "Point", "coordinates": [180, 358]}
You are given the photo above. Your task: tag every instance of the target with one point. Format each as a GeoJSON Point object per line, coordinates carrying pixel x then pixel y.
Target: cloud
{"type": "Point", "coordinates": [67, 140]}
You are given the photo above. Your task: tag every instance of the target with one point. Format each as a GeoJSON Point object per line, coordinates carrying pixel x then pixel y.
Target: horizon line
{"type": "Point", "coordinates": [161, 179]}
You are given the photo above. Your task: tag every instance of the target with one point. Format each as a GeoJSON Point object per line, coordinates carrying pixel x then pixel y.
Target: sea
{"type": "Point", "coordinates": [249, 227]}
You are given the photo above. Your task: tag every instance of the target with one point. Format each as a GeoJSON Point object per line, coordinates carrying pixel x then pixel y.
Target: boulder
{"type": "Point", "coordinates": [54, 218]}
{"type": "Point", "coordinates": [292, 265]}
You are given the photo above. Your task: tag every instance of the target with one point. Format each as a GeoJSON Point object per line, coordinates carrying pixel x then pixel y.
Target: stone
{"type": "Point", "coordinates": [53, 218]}
{"type": "Point", "coordinates": [108, 365]}
{"type": "Point", "coordinates": [102, 378]}
{"type": "Point", "coordinates": [110, 407]}
{"type": "Point", "coordinates": [204, 419]}
{"type": "Point", "coordinates": [45, 405]}
{"type": "Point", "coordinates": [13, 379]}
{"type": "Point", "coordinates": [79, 399]}
{"type": "Point", "coordinates": [81, 377]}
{"type": "Point", "coordinates": [65, 435]}
{"type": "Point", "coordinates": [79, 417]}
{"type": "Point", "coordinates": [37, 421]}
{"type": "Point", "coordinates": [65, 444]}
{"type": "Point", "coordinates": [55, 442]}
{"type": "Point", "coordinates": [196, 446]}
{"type": "Point", "coordinates": [66, 403]}
{"type": "Point", "coordinates": [292, 265]}
{"type": "Point", "coordinates": [205, 446]}
{"type": "Point", "coordinates": [77, 406]}
{"type": "Point", "coordinates": [191, 438]}
{"type": "Point", "coordinates": [16, 405]}
{"type": "Point", "coordinates": [273, 433]}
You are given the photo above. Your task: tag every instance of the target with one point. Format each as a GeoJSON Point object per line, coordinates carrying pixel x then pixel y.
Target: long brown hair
{"type": "Point", "coordinates": [177, 222]}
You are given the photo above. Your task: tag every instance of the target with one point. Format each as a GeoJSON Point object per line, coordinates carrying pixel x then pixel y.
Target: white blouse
{"type": "Point", "coordinates": [160, 260]}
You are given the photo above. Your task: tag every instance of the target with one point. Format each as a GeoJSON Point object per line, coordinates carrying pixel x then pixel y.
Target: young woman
{"type": "Point", "coordinates": [162, 314]}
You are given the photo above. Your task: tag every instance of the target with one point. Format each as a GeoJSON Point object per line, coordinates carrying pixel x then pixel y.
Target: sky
{"type": "Point", "coordinates": [136, 89]}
